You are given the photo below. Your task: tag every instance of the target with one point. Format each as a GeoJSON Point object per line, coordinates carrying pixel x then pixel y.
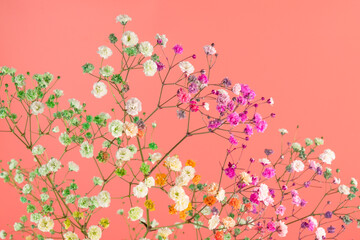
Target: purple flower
{"type": "Point", "coordinates": [178, 49]}
{"type": "Point", "coordinates": [307, 184]}
{"type": "Point", "coordinates": [248, 130]}
{"type": "Point", "coordinates": [272, 192]}
{"type": "Point", "coordinates": [193, 88]}
{"type": "Point", "coordinates": [220, 108]}
{"type": "Point", "coordinates": [268, 152]}
{"type": "Point", "coordinates": [328, 214]}
{"type": "Point", "coordinates": [331, 229]}
{"type": "Point", "coordinates": [304, 225]}
{"type": "Point", "coordinates": [268, 172]}
{"type": "Point", "coordinates": [215, 211]}
{"type": "Point", "coordinates": [230, 171]}
{"type": "Point", "coordinates": [213, 124]}
{"type": "Point", "coordinates": [233, 140]}
{"type": "Point", "coordinates": [261, 126]}
{"type": "Point", "coordinates": [226, 82]}
{"type": "Point", "coordinates": [160, 66]}
{"type": "Point", "coordinates": [233, 119]}
{"type": "Point", "coordinates": [303, 202]}
{"type": "Point", "coordinates": [180, 114]}
{"type": "Point", "coordinates": [231, 106]}
{"type": "Point", "coordinates": [319, 171]}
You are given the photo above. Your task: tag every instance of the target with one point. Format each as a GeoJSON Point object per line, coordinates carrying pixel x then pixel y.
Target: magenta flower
{"type": "Point", "coordinates": [233, 140]}
{"type": "Point", "coordinates": [271, 226]}
{"type": "Point", "coordinates": [243, 116]}
{"type": "Point", "coordinates": [257, 118]}
{"type": "Point", "coordinates": [268, 172]}
{"type": "Point", "coordinates": [230, 171]}
{"type": "Point", "coordinates": [213, 124]}
{"type": "Point", "coordinates": [233, 119]}
{"type": "Point", "coordinates": [193, 106]}
{"type": "Point", "coordinates": [248, 130]}
{"type": "Point", "coordinates": [261, 126]}
{"type": "Point", "coordinates": [241, 100]}
{"type": "Point", "coordinates": [254, 198]}
{"type": "Point", "coordinates": [178, 49]}
{"type": "Point", "coordinates": [193, 88]}
{"type": "Point", "coordinates": [203, 78]}
{"type": "Point", "coordinates": [160, 66]}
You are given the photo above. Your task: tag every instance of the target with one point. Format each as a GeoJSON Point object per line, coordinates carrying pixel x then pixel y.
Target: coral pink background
{"type": "Point", "coordinates": [305, 54]}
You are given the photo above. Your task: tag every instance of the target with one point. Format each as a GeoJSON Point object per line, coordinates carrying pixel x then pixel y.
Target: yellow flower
{"type": "Point", "coordinates": [67, 223]}
{"type": "Point", "coordinates": [191, 163]}
{"type": "Point", "coordinates": [28, 237]}
{"type": "Point", "coordinates": [196, 179]}
{"type": "Point", "coordinates": [104, 222]}
{"type": "Point", "coordinates": [149, 204]}
{"type": "Point", "coordinates": [189, 207]}
{"type": "Point", "coordinates": [183, 215]}
{"type": "Point", "coordinates": [160, 179]}
{"type": "Point", "coordinates": [78, 215]}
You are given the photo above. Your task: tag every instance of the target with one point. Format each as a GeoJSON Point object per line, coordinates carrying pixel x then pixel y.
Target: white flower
{"type": "Point", "coordinates": [236, 89]}
{"type": "Point", "coordinates": [182, 180]}
{"type": "Point", "coordinates": [176, 193]}
{"type": "Point", "coordinates": [75, 104]}
{"type": "Point", "coordinates": [27, 188]}
{"type": "Point", "coordinates": [271, 101]}
{"type": "Point", "coordinates": [182, 203]}
{"type": "Point", "coordinates": [149, 182]}
{"type": "Point", "coordinates": [264, 161]}
{"type": "Point", "coordinates": [327, 156]}
{"type": "Point", "coordinates": [106, 71]}
{"type": "Point", "coordinates": [186, 67]}
{"type": "Point", "coordinates": [209, 50]}
{"type": "Point", "coordinates": [206, 210]}
{"type": "Point", "coordinates": [146, 49]}
{"type": "Point", "coordinates": [135, 213]}
{"type": "Point", "coordinates": [164, 232]}
{"type": "Point", "coordinates": [73, 166]}
{"type": "Point", "coordinates": [129, 39]}
{"type": "Point", "coordinates": [54, 165]}
{"type": "Point", "coordinates": [162, 39]}
{"type": "Point", "coordinates": [354, 182]}
{"type": "Point", "coordinates": [104, 199]}
{"type": "Point", "coordinates": [64, 139]}
{"type": "Point", "coordinates": [123, 154]}
{"type": "Point", "coordinates": [56, 129]}
{"type": "Point", "coordinates": [123, 19]}
{"type": "Point", "coordinates": [150, 68]}
{"type": "Point", "coordinates": [141, 190]}
{"type": "Point", "coordinates": [3, 234]}
{"type": "Point", "coordinates": [104, 52]}
{"type": "Point", "coordinates": [38, 150]}
{"type": "Point", "coordinates": [99, 89]}
{"type": "Point", "coordinates": [213, 222]}
{"type": "Point", "coordinates": [336, 180]}
{"type": "Point", "coordinates": [133, 106]}
{"type": "Point", "coordinates": [206, 106]}
{"type": "Point", "coordinates": [173, 163]}
{"type": "Point", "coordinates": [297, 166]}
{"type": "Point", "coordinates": [94, 232]}
{"type": "Point", "coordinates": [189, 171]}
{"type": "Point", "coordinates": [131, 129]}
{"type": "Point", "coordinates": [221, 195]}
{"type": "Point", "coordinates": [45, 224]}
{"type": "Point", "coordinates": [320, 233]}
{"type": "Point", "coordinates": [37, 108]}
{"type": "Point", "coordinates": [116, 128]}
{"type": "Point", "coordinates": [343, 189]}
{"type": "Point", "coordinates": [71, 236]}
{"type": "Point", "coordinates": [283, 131]}
{"type": "Point", "coordinates": [263, 192]}
{"type": "Point", "coordinates": [87, 150]}
{"type": "Point", "coordinates": [154, 223]}
{"type": "Point", "coordinates": [155, 157]}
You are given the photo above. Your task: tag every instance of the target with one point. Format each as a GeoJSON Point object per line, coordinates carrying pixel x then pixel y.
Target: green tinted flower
{"type": "Point", "coordinates": [88, 68]}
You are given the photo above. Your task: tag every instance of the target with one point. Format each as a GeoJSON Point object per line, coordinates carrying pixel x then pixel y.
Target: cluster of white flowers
{"type": "Point", "coordinates": [53, 165]}
{"type": "Point", "coordinates": [135, 213]}
{"type": "Point", "coordinates": [104, 52]}
{"type": "Point", "coordinates": [133, 106]}
{"type": "Point", "coordinates": [71, 236]}
{"type": "Point", "coordinates": [327, 156]}
{"type": "Point", "coordinates": [73, 166]}
{"type": "Point", "coordinates": [162, 39]}
{"type": "Point", "coordinates": [154, 157]}
{"type": "Point", "coordinates": [164, 233]}
{"type": "Point", "coordinates": [99, 89]}
{"type": "Point", "coordinates": [129, 39]}
{"type": "Point", "coordinates": [173, 163]}
{"type": "Point", "coordinates": [150, 68]}
{"type": "Point", "coordinates": [123, 19]}
{"type": "Point", "coordinates": [146, 49]}
{"type": "Point", "coordinates": [186, 67]}
{"type": "Point", "coordinates": [94, 232]}
{"type": "Point", "coordinates": [37, 108]}
{"type": "Point", "coordinates": [297, 166]}
{"type": "Point", "coordinates": [209, 50]}
{"type": "Point", "coordinates": [45, 224]}
{"type": "Point", "coordinates": [177, 194]}
{"type": "Point", "coordinates": [104, 199]}
{"type": "Point", "coordinates": [213, 222]}
{"type": "Point", "coordinates": [86, 150]}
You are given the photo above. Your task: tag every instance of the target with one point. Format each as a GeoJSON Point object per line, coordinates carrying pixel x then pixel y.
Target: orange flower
{"type": "Point", "coordinates": [235, 203]}
{"type": "Point", "coordinates": [248, 207]}
{"type": "Point", "coordinates": [219, 235]}
{"type": "Point", "coordinates": [172, 209]}
{"type": "Point", "coordinates": [210, 200]}
{"type": "Point", "coordinates": [190, 163]}
{"type": "Point", "coordinates": [196, 179]}
{"type": "Point", "coordinates": [141, 133]}
{"type": "Point", "coordinates": [160, 179]}
{"type": "Point", "coordinates": [183, 215]}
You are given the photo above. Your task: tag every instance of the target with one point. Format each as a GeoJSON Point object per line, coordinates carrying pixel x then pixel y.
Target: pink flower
{"type": "Point", "coordinates": [236, 89]}
{"type": "Point", "coordinates": [223, 97]}
{"type": "Point", "coordinates": [248, 130]}
{"type": "Point", "coordinates": [261, 126]}
{"type": "Point", "coordinates": [280, 210]}
{"type": "Point", "coordinates": [183, 96]}
{"type": "Point", "coordinates": [203, 78]}
{"type": "Point", "coordinates": [296, 200]}
{"type": "Point", "coordinates": [313, 223]}
{"type": "Point", "coordinates": [271, 226]}
{"type": "Point", "coordinates": [193, 106]}
{"type": "Point", "coordinates": [269, 172]}
{"type": "Point", "coordinates": [178, 49]}
{"type": "Point", "coordinates": [233, 119]}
